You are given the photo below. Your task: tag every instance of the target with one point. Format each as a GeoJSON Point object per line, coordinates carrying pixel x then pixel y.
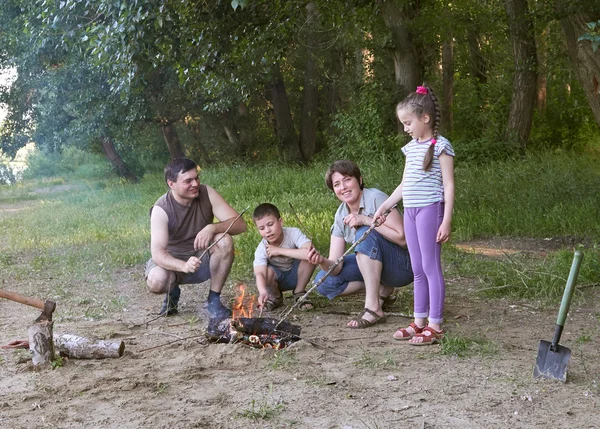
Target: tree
{"type": "Point", "coordinates": [407, 62]}
{"type": "Point", "coordinates": [524, 78]}
{"type": "Point", "coordinates": [583, 56]}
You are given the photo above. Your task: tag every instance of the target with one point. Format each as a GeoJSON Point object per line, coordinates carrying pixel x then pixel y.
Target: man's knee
{"type": "Point", "coordinates": [158, 280]}
{"type": "Point", "coordinates": [224, 246]}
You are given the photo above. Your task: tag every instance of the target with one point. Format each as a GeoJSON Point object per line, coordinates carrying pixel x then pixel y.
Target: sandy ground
{"type": "Point", "coordinates": [170, 376]}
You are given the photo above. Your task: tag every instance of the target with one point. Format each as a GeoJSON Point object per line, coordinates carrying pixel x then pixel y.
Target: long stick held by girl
{"type": "Point", "coordinates": [427, 189]}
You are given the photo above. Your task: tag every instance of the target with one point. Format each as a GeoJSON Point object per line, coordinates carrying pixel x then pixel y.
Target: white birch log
{"type": "Point", "coordinates": [41, 345]}
{"type": "Point", "coordinates": [76, 347]}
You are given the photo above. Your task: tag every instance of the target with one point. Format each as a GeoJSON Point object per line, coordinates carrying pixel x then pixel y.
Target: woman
{"type": "Point", "coordinates": [380, 263]}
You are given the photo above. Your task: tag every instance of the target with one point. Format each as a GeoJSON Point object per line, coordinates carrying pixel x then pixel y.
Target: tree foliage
{"type": "Point", "coordinates": [274, 79]}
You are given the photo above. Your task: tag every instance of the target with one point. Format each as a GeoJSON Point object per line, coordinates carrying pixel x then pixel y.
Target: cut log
{"type": "Point", "coordinates": [75, 347]}
{"type": "Point", "coordinates": [41, 345]}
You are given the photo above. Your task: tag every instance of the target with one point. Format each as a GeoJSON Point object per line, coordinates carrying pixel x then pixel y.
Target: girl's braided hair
{"type": "Point", "coordinates": [423, 101]}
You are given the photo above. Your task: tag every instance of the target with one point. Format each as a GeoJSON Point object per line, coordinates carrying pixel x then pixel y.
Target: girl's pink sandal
{"type": "Point", "coordinates": [404, 334]}
{"type": "Point", "coordinates": [428, 336]}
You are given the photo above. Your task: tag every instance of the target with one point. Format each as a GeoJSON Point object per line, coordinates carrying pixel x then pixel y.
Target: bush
{"type": "Point", "coordinates": [72, 162]}
{"type": "Point", "coordinates": [366, 131]}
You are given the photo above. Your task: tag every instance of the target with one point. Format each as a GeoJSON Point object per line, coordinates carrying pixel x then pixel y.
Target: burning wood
{"type": "Point", "coordinates": [258, 332]}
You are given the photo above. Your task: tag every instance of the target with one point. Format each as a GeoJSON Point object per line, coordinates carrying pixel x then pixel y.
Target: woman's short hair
{"type": "Point", "coordinates": [345, 168]}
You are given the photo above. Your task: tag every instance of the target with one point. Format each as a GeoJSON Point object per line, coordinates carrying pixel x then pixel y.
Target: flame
{"type": "Point", "coordinates": [243, 306]}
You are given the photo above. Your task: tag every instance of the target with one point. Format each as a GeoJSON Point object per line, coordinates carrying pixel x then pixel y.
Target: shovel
{"type": "Point", "coordinates": [553, 359]}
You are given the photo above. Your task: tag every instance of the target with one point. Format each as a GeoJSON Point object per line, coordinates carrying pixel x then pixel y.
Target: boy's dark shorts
{"type": "Point", "coordinates": [199, 276]}
{"type": "Point", "coordinates": [287, 280]}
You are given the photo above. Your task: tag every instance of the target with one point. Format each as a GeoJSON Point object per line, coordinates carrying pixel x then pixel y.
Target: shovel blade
{"type": "Point", "coordinates": [552, 364]}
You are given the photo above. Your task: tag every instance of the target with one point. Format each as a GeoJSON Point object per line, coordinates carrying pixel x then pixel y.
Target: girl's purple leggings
{"type": "Point", "coordinates": [421, 225]}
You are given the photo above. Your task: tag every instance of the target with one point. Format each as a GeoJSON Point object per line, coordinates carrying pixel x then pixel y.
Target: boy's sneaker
{"type": "Point", "coordinates": [169, 305]}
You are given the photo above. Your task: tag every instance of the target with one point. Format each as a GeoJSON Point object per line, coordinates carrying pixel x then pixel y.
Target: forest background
{"type": "Point", "coordinates": [238, 82]}
{"type": "Point", "coordinates": [272, 91]}
{"type": "Point", "coordinates": [264, 95]}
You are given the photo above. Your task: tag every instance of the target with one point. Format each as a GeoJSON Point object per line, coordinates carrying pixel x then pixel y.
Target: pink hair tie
{"type": "Point", "coordinates": [421, 90]}
{"type": "Point", "coordinates": [433, 141]}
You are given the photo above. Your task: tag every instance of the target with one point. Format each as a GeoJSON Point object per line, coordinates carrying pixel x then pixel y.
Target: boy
{"type": "Point", "coordinates": [280, 259]}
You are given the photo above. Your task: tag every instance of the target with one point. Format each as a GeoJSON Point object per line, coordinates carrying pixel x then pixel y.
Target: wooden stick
{"type": "Point", "coordinates": [171, 342]}
{"type": "Point", "coordinates": [300, 222]}
{"type": "Point", "coordinates": [223, 235]}
{"type": "Point", "coordinates": [335, 264]}
{"type": "Point", "coordinates": [406, 316]}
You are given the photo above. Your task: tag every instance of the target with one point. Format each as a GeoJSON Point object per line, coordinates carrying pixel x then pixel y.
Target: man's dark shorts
{"type": "Point", "coordinates": [396, 269]}
{"type": "Point", "coordinates": [199, 276]}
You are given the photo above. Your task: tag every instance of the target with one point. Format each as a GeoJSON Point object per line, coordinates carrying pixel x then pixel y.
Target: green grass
{"type": "Point", "coordinates": [97, 226]}
{"type": "Point", "coordinates": [460, 346]}
{"type": "Point", "coordinates": [522, 275]}
{"type": "Point", "coordinates": [261, 411]}
{"type": "Point", "coordinates": [283, 360]}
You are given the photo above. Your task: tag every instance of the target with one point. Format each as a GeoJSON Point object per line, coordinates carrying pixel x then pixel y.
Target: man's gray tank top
{"type": "Point", "coordinates": [185, 222]}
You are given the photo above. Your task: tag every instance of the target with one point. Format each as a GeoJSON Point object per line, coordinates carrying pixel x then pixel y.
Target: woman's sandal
{"type": "Point", "coordinates": [428, 337]}
{"type": "Point", "coordinates": [272, 304]}
{"type": "Point", "coordinates": [306, 304]}
{"type": "Point", "coordinates": [404, 334]}
{"type": "Point", "coordinates": [388, 301]}
{"type": "Point", "coordinates": [364, 323]}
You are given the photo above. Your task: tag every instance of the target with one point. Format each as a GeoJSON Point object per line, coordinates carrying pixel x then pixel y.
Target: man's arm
{"type": "Point", "coordinates": [225, 214]}
{"type": "Point", "coordinates": [159, 239]}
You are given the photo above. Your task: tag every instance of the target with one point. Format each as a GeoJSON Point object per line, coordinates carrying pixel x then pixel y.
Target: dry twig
{"type": "Point", "coordinates": [223, 235]}
{"type": "Point", "coordinates": [309, 236]}
{"type": "Point", "coordinates": [171, 342]}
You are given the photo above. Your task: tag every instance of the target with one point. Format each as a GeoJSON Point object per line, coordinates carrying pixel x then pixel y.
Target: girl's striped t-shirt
{"type": "Point", "coordinates": [423, 188]}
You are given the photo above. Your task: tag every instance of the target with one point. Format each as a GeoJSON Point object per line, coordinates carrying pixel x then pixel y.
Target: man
{"type": "Point", "coordinates": [181, 229]}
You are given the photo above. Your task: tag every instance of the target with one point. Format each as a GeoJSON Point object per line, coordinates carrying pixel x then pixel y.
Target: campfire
{"type": "Point", "coordinates": [257, 332]}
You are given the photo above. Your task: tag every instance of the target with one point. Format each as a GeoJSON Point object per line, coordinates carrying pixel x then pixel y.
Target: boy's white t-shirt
{"type": "Point", "coordinates": [293, 238]}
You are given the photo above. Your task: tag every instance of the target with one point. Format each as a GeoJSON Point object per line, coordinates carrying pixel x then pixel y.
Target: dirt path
{"type": "Point", "coordinates": [335, 378]}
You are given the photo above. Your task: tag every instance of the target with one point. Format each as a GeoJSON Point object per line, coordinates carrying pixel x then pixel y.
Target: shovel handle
{"type": "Point", "coordinates": [569, 288]}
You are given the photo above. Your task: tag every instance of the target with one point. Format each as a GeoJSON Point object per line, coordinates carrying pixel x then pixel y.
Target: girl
{"type": "Point", "coordinates": [427, 189]}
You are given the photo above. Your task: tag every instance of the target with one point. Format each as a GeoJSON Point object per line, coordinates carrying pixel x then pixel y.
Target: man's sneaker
{"type": "Point", "coordinates": [169, 305]}
{"type": "Point", "coordinates": [216, 310]}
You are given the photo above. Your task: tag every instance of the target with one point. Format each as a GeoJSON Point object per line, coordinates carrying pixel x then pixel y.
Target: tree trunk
{"type": "Point", "coordinates": [284, 124]}
{"type": "Point", "coordinates": [448, 85]}
{"type": "Point", "coordinates": [524, 79]}
{"type": "Point", "coordinates": [407, 62]}
{"type": "Point", "coordinates": [172, 139]}
{"type": "Point", "coordinates": [478, 66]}
{"type": "Point", "coordinates": [310, 95]}
{"type": "Point", "coordinates": [115, 159]}
{"type": "Point", "coordinates": [194, 127]}
{"type": "Point", "coordinates": [230, 128]}
{"type": "Point", "coordinates": [585, 61]}
{"type": "Point", "coordinates": [244, 128]}
{"type": "Point", "coordinates": [542, 81]}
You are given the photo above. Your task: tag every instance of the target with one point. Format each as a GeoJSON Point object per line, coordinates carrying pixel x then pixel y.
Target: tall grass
{"type": "Point", "coordinates": [541, 196]}
{"type": "Point", "coordinates": [93, 226]}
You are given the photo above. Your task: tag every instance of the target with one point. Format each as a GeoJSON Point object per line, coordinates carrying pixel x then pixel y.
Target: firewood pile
{"type": "Point", "coordinates": [257, 332]}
